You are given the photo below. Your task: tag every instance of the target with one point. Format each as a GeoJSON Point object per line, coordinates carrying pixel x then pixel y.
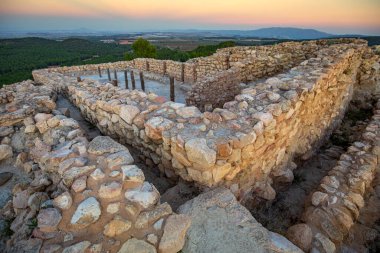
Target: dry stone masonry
{"type": "Point", "coordinates": [336, 205]}
{"type": "Point", "coordinates": [253, 138]}
{"type": "Point", "coordinates": [250, 113]}
{"type": "Point", "coordinates": [83, 196]}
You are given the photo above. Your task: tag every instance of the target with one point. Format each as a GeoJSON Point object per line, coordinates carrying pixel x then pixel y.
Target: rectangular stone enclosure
{"type": "Point", "coordinates": [250, 111]}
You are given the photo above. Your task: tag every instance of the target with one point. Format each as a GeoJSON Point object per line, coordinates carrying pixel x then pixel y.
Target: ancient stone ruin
{"type": "Point", "coordinates": [251, 115]}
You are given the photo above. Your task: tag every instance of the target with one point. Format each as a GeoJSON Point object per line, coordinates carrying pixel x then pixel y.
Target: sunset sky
{"type": "Point", "coordinates": [334, 16]}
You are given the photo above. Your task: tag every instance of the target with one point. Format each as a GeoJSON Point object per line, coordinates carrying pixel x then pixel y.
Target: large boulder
{"type": "Point", "coordinates": [220, 224]}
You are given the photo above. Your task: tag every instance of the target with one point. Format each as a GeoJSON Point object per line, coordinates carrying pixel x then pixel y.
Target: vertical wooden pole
{"type": "Point", "coordinates": [109, 74]}
{"type": "Point", "coordinates": [172, 95]}
{"type": "Point", "coordinates": [228, 62]}
{"type": "Point", "coordinates": [114, 82]}
{"type": "Point", "coordinates": [147, 66]}
{"type": "Point", "coordinates": [133, 80]}
{"type": "Point", "coordinates": [164, 67]}
{"type": "Point", "coordinates": [142, 81]}
{"type": "Point", "coordinates": [183, 72]}
{"type": "Point", "coordinates": [195, 73]}
{"type": "Point", "coordinates": [115, 74]}
{"type": "Point", "coordinates": [126, 79]}
{"type": "Point", "coordinates": [100, 72]}
{"type": "Point", "coordinates": [79, 79]}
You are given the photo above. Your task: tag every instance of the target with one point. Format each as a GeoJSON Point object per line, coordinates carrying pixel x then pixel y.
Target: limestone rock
{"type": "Point", "coordinates": [188, 112]}
{"type": "Point", "coordinates": [198, 152]}
{"type": "Point", "coordinates": [318, 198]}
{"type": "Point", "coordinates": [110, 190]}
{"type": "Point", "coordinates": [136, 246]}
{"type": "Point", "coordinates": [301, 235]}
{"type": "Point", "coordinates": [5, 177]}
{"type": "Point", "coordinates": [48, 219]}
{"type": "Point", "coordinates": [79, 184]}
{"type": "Point", "coordinates": [104, 144]}
{"type": "Point", "coordinates": [278, 243]}
{"type": "Point", "coordinates": [70, 175]}
{"type": "Point", "coordinates": [128, 113]}
{"type": "Point", "coordinates": [149, 217]}
{"type": "Point", "coordinates": [156, 125]}
{"type": "Point", "coordinates": [145, 195]}
{"type": "Point", "coordinates": [79, 247]}
{"type": "Point", "coordinates": [116, 227]}
{"type": "Point", "coordinates": [219, 223]}
{"type": "Point", "coordinates": [5, 152]}
{"type": "Point", "coordinates": [119, 158]}
{"type": "Point", "coordinates": [88, 212]}
{"type": "Point", "coordinates": [175, 230]}
{"type": "Point", "coordinates": [63, 201]}
{"type": "Point", "coordinates": [132, 173]}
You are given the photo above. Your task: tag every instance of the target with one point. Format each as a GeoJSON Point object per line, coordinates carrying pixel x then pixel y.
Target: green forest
{"type": "Point", "coordinates": [18, 57]}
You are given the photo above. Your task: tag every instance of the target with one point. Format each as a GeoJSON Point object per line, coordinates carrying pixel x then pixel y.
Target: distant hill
{"type": "Point", "coordinates": [273, 32]}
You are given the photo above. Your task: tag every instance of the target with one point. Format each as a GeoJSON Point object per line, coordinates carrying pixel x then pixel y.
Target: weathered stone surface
{"type": "Point", "coordinates": [155, 126]}
{"type": "Point", "coordinates": [149, 217]}
{"type": "Point", "coordinates": [198, 152]}
{"type": "Point", "coordinates": [145, 195]}
{"type": "Point", "coordinates": [5, 177]}
{"type": "Point", "coordinates": [48, 219]}
{"type": "Point", "coordinates": [79, 247]}
{"type": "Point", "coordinates": [20, 199]}
{"type": "Point", "coordinates": [301, 235]}
{"type": "Point", "coordinates": [110, 190]}
{"type": "Point", "coordinates": [136, 246]}
{"type": "Point", "coordinates": [318, 197]}
{"type": "Point", "coordinates": [70, 175]}
{"type": "Point", "coordinates": [104, 144]}
{"type": "Point", "coordinates": [63, 201]}
{"type": "Point", "coordinates": [119, 158]}
{"type": "Point", "coordinates": [128, 113]}
{"type": "Point", "coordinates": [175, 230]}
{"type": "Point", "coordinates": [88, 212]}
{"type": "Point", "coordinates": [188, 112]}
{"type": "Point", "coordinates": [132, 173]}
{"type": "Point", "coordinates": [5, 152]}
{"type": "Point", "coordinates": [116, 227]}
{"type": "Point", "coordinates": [220, 224]}
{"type": "Point", "coordinates": [79, 184]}
{"type": "Point", "coordinates": [278, 243]}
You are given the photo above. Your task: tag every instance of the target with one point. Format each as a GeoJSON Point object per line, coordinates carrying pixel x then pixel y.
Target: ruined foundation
{"type": "Point", "coordinates": [250, 114]}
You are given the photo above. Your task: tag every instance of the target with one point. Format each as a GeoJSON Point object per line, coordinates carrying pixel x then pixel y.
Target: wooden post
{"type": "Point", "coordinates": [100, 72]}
{"type": "Point", "coordinates": [183, 73]}
{"type": "Point", "coordinates": [164, 67]}
{"type": "Point", "coordinates": [126, 79]}
{"type": "Point", "coordinates": [147, 66]}
{"type": "Point", "coordinates": [114, 82]}
{"type": "Point", "coordinates": [109, 74]}
{"type": "Point", "coordinates": [115, 74]}
{"type": "Point", "coordinates": [142, 81]}
{"type": "Point", "coordinates": [228, 61]}
{"type": "Point", "coordinates": [133, 80]}
{"type": "Point", "coordinates": [79, 79]}
{"type": "Point", "coordinates": [172, 95]}
{"type": "Point", "coordinates": [195, 73]}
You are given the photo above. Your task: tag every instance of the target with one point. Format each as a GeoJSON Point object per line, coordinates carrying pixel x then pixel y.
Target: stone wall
{"type": "Point", "coordinates": [242, 146]}
{"type": "Point", "coordinates": [335, 206]}
{"type": "Point", "coordinates": [84, 196]}
{"type": "Point", "coordinates": [247, 64]}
